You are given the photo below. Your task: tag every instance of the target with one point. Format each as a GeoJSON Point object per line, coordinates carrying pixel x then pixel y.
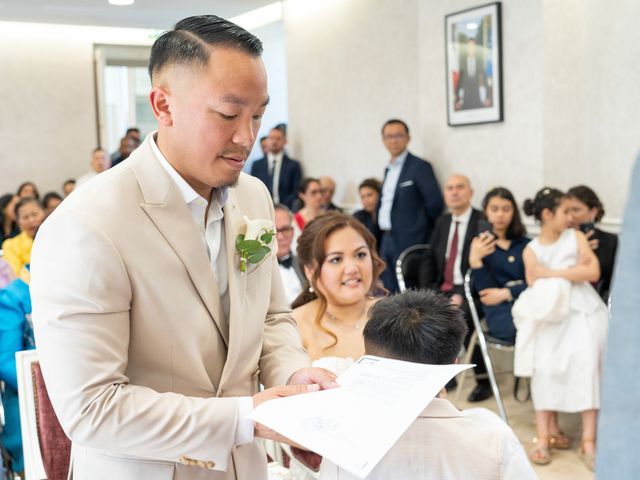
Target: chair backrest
{"type": "Point", "coordinates": [47, 450]}
{"type": "Point", "coordinates": [415, 268]}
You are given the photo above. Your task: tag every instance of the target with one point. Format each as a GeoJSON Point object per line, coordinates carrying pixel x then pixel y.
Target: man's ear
{"type": "Point", "coordinates": [160, 105]}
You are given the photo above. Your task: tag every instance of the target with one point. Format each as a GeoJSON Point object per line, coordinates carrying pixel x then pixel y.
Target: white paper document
{"type": "Point", "coordinates": [356, 424]}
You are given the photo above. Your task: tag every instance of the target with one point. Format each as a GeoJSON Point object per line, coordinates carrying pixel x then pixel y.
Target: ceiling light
{"type": "Point", "coordinates": [121, 2]}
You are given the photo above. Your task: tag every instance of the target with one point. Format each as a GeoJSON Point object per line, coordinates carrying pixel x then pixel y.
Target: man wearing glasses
{"type": "Point", "coordinates": [411, 199]}
{"type": "Point", "coordinates": [290, 271]}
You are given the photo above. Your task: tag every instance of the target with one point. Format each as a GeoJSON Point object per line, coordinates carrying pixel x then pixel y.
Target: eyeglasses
{"type": "Point", "coordinates": [394, 136]}
{"type": "Point", "coordinates": [284, 230]}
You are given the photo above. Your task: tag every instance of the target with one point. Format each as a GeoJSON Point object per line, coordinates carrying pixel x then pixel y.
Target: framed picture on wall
{"type": "Point", "coordinates": [473, 42]}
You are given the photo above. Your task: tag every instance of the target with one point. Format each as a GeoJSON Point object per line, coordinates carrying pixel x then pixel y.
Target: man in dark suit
{"type": "Point", "coordinates": [277, 171]}
{"type": "Point", "coordinates": [450, 246]}
{"type": "Point", "coordinates": [410, 202]}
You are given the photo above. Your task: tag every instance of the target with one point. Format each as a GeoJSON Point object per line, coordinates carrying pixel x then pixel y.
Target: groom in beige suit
{"type": "Point", "coordinates": [152, 341]}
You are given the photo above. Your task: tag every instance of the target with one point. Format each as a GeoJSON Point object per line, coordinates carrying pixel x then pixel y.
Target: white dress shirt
{"type": "Point", "coordinates": [463, 224]}
{"type": "Point", "coordinates": [389, 190]}
{"type": "Point", "coordinates": [291, 282]}
{"type": "Point", "coordinates": [275, 165]}
{"type": "Point", "coordinates": [213, 241]}
{"type": "Point", "coordinates": [444, 443]}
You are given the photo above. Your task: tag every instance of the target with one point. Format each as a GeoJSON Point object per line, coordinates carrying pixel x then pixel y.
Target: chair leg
{"type": "Point", "coordinates": [467, 359]}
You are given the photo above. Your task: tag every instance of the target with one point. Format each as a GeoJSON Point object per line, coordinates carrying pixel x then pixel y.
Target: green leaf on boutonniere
{"type": "Point", "coordinates": [248, 245]}
{"type": "Point", "coordinates": [266, 237]}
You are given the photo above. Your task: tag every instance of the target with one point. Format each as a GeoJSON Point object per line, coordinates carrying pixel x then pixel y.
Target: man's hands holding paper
{"type": "Point", "coordinates": [304, 380]}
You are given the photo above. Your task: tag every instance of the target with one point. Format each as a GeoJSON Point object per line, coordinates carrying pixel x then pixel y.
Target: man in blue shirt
{"type": "Point", "coordinates": [411, 199]}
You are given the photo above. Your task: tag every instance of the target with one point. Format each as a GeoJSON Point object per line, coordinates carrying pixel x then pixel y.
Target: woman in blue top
{"type": "Point", "coordinates": [16, 333]}
{"type": "Point", "coordinates": [495, 258]}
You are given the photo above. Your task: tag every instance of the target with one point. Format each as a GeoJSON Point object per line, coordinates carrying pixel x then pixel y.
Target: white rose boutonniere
{"type": "Point", "coordinates": [253, 245]}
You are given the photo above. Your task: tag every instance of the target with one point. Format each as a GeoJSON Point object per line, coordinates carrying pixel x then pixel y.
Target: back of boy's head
{"type": "Point", "coordinates": [415, 326]}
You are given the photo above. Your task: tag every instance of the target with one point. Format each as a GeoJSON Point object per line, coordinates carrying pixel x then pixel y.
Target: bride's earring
{"type": "Point", "coordinates": [311, 290]}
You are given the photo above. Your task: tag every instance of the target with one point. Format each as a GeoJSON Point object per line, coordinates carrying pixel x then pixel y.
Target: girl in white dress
{"type": "Point", "coordinates": [568, 352]}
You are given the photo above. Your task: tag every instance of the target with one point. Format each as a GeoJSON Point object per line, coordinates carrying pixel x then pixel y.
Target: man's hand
{"type": "Point", "coordinates": [278, 392]}
{"type": "Point", "coordinates": [494, 296]}
{"type": "Point", "coordinates": [310, 376]}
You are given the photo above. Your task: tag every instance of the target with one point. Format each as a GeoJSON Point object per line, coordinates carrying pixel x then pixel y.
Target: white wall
{"type": "Point", "coordinates": [571, 93]}
{"type": "Point", "coordinates": [48, 122]}
{"type": "Point", "coordinates": [47, 92]}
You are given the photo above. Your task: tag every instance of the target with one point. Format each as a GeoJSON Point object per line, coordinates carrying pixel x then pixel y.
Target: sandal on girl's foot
{"type": "Point", "coordinates": [559, 441]}
{"type": "Point", "coordinates": [589, 459]}
{"type": "Point", "coordinates": [539, 455]}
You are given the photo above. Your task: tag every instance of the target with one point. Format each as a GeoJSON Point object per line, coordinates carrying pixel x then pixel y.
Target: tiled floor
{"type": "Point", "coordinates": [565, 464]}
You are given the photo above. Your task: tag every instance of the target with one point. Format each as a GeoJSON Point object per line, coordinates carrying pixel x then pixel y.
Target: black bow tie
{"type": "Point", "coordinates": [286, 262]}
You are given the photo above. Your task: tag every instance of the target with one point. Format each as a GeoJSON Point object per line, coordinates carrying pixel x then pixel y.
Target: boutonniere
{"type": "Point", "coordinates": [253, 245]}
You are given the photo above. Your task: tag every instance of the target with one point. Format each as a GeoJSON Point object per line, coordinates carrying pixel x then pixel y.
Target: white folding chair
{"type": "Point", "coordinates": [484, 341]}
{"type": "Point", "coordinates": [33, 466]}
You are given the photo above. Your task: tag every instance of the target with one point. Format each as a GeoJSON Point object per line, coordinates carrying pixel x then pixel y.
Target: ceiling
{"type": "Point", "coordinates": [157, 14]}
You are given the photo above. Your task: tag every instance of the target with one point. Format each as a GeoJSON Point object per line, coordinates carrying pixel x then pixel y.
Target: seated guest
{"type": "Point", "coordinates": [99, 163]}
{"type": "Point", "coordinates": [292, 276]}
{"type": "Point", "coordinates": [450, 245]}
{"type": "Point", "coordinates": [496, 260]}
{"type": "Point", "coordinates": [16, 334]}
{"type": "Point", "coordinates": [328, 189]}
{"type": "Point", "coordinates": [28, 189]}
{"type": "Point", "coordinates": [586, 209]}
{"type": "Point", "coordinates": [342, 269]}
{"type": "Point", "coordinates": [68, 186]}
{"type": "Point", "coordinates": [443, 442]}
{"type": "Point", "coordinates": [311, 195]}
{"type": "Point", "coordinates": [8, 216]}
{"type": "Point", "coordinates": [280, 173]}
{"type": "Point", "coordinates": [369, 191]}
{"type": "Point", "coordinates": [50, 202]}
{"type": "Point", "coordinates": [128, 144]}
{"type": "Point", "coordinates": [17, 250]}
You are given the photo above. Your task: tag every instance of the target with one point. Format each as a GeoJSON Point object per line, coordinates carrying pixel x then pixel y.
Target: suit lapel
{"type": "Point", "coordinates": [234, 224]}
{"type": "Point", "coordinates": [166, 208]}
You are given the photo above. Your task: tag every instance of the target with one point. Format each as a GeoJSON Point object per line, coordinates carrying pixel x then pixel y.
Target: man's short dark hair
{"type": "Point", "coordinates": [132, 129]}
{"type": "Point", "coordinates": [395, 121]}
{"type": "Point", "coordinates": [187, 43]}
{"type": "Point", "coordinates": [418, 326]}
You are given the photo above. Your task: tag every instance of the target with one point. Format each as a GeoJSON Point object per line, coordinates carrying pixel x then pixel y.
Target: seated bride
{"type": "Point", "coordinates": [342, 268]}
{"type": "Point", "coordinates": [342, 271]}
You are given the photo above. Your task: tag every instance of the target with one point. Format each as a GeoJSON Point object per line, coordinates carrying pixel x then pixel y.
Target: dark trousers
{"type": "Point", "coordinates": [389, 254]}
{"type": "Point", "coordinates": [480, 370]}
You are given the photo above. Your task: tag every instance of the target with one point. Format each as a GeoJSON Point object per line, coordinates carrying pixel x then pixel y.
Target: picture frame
{"type": "Point", "coordinates": [473, 49]}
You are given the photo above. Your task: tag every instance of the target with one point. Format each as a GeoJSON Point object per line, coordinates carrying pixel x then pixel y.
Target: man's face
{"type": "Point", "coordinates": [284, 233]}
{"type": "Point", "coordinates": [68, 187]}
{"type": "Point", "coordinates": [209, 116]}
{"type": "Point", "coordinates": [127, 145]}
{"type": "Point", "coordinates": [395, 138]}
{"type": "Point", "coordinates": [328, 186]}
{"type": "Point", "coordinates": [100, 161]}
{"type": "Point", "coordinates": [277, 140]}
{"type": "Point", "coordinates": [458, 193]}
{"type": "Point", "coordinates": [135, 136]}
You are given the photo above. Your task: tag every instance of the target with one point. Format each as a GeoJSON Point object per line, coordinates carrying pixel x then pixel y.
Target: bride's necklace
{"type": "Point", "coordinates": [355, 326]}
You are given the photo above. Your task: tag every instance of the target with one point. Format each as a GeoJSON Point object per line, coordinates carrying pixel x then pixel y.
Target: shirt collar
{"type": "Point", "coordinates": [221, 195]}
{"type": "Point", "coordinates": [465, 217]}
{"type": "Point", "coordinates": [399, 160]}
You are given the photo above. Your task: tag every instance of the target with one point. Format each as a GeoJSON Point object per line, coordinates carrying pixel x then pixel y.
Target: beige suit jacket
{"type": "Point", "coordinates": [139, 361]}
{"type": "Point", "coordinates": [444, 443]}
